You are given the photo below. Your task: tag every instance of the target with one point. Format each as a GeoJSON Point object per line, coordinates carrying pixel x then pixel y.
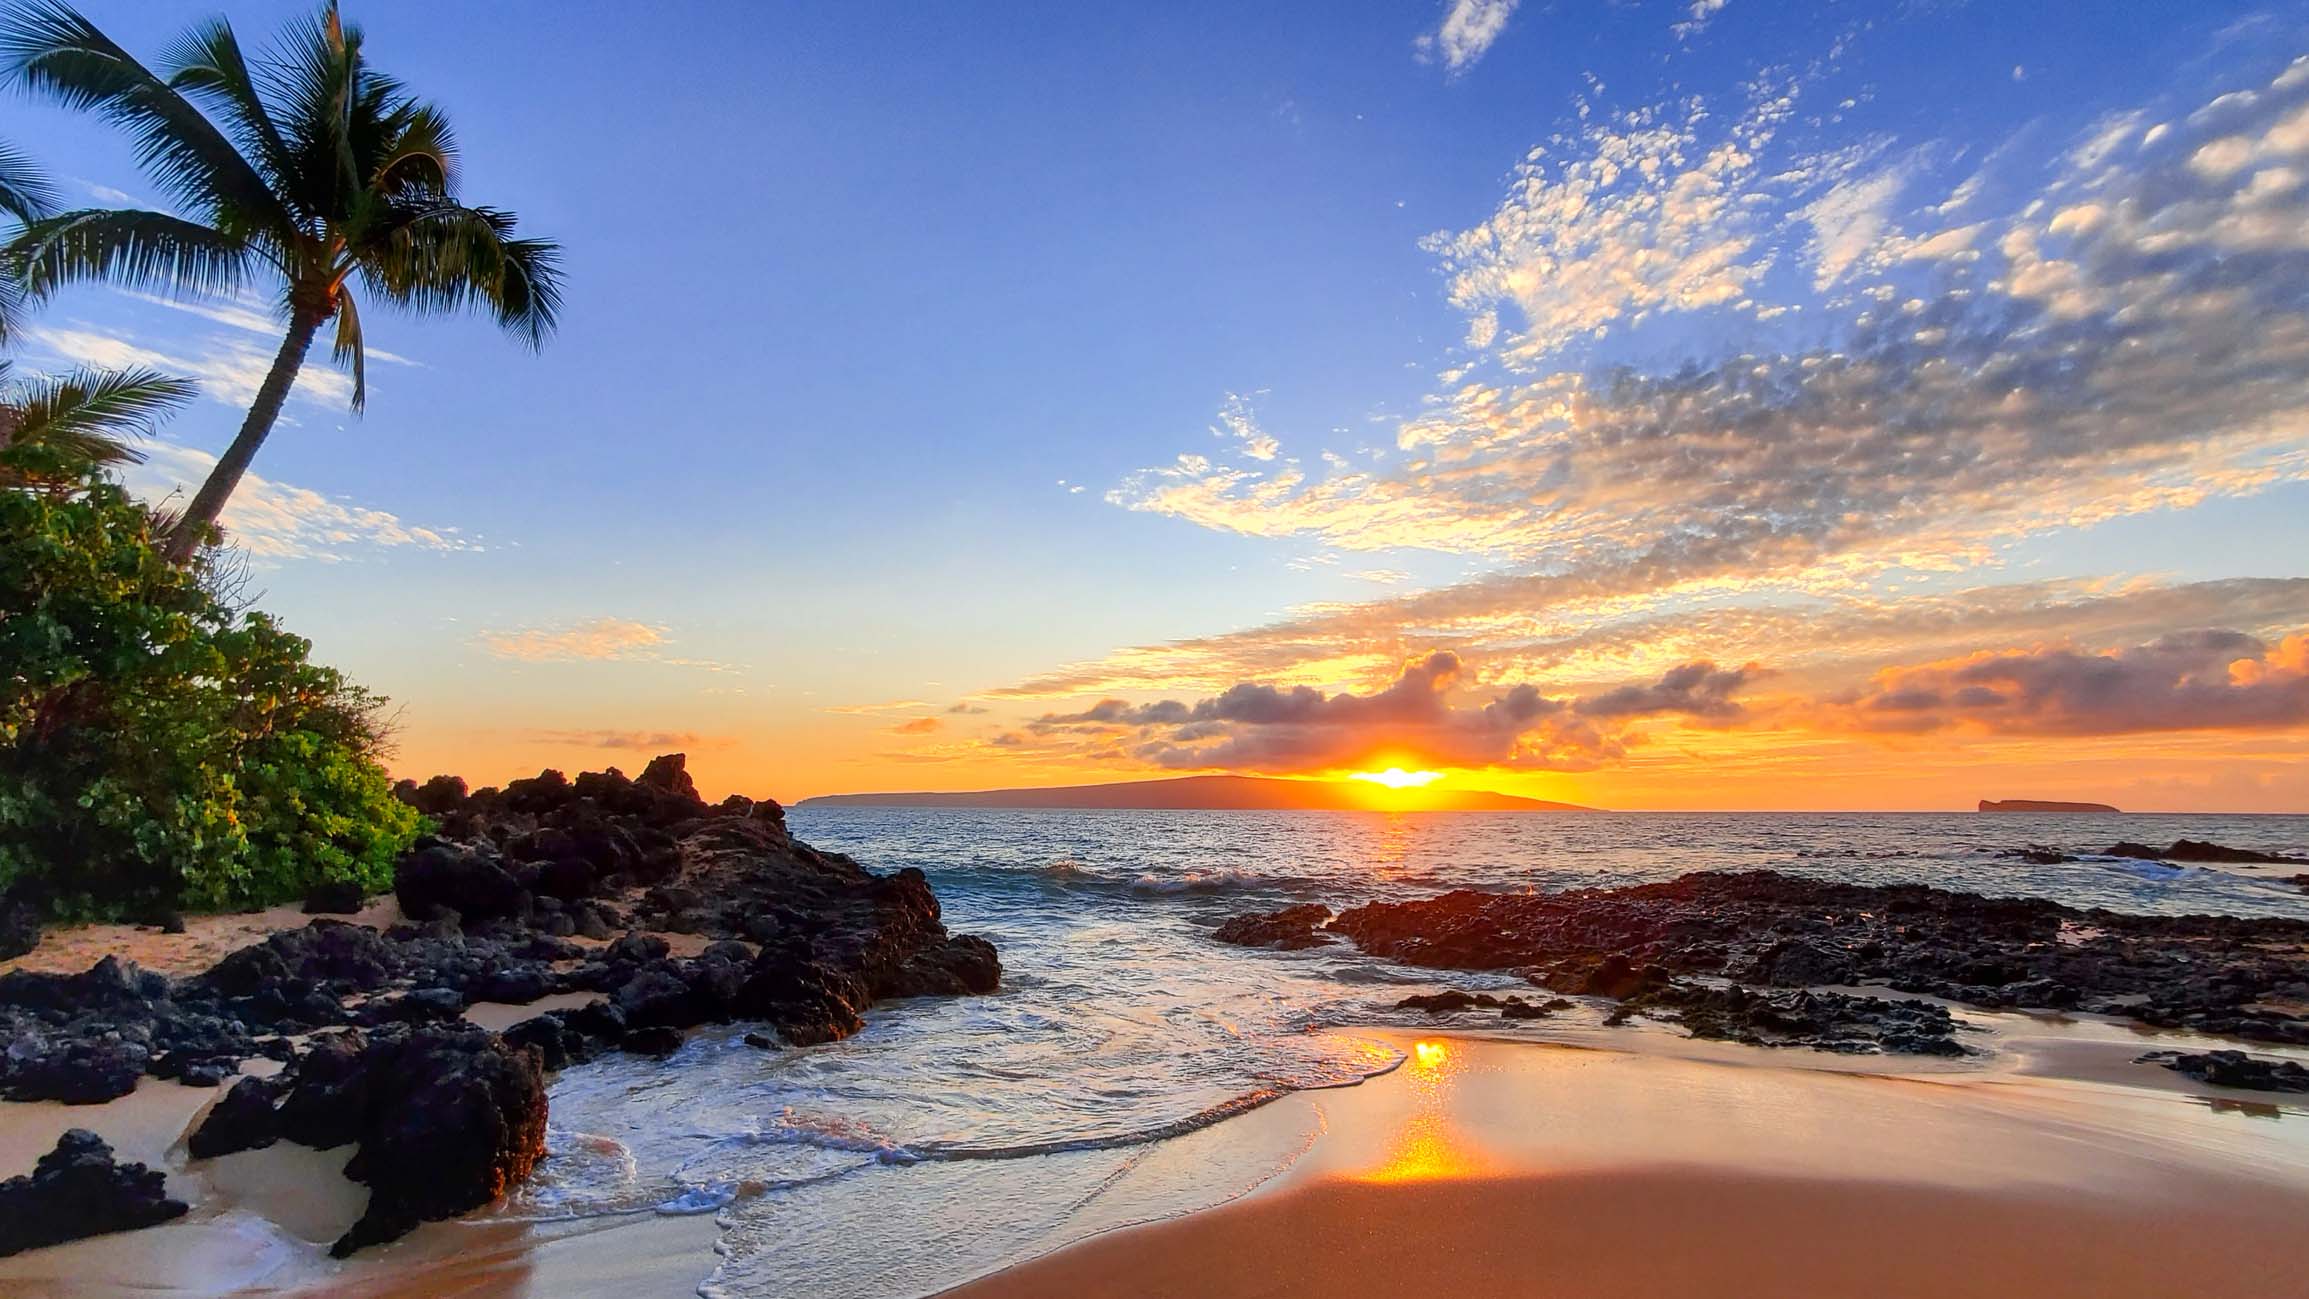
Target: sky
{"type": "Point", "coordinates": [1709, 404]}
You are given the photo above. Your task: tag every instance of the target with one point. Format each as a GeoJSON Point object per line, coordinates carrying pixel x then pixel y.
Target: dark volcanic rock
{"type": "Point", "coordinates": [245, 1118]}
{"type": "Point", "coordinates": [1824, 1021]}
{"type": "Point", "coordinates": [2213, 974]}
{"type": "Point", "coordinates": [2200, 850]}
{"type": "Point", "coordinates": [2036, 854]}
{"type": "Point", "coordinates": [445, 1114]}
{"type": "Point", "coordinates": [2234, 1069]}
{"type": "Point", "coordinates": [441, 875]}
{"type": "Point", "coordinates": [336, 898]}
{"type": "Point", "coordinates": [452, 1118]}
{"type": "Point", "coordinates": [1290, 929]}
{"type": "Point", "coordinates": [19, 928]}
{"type": "Point", "coordinates": [77, 1190]}
{"type": "Point", "coordinates": [1443, 1003]}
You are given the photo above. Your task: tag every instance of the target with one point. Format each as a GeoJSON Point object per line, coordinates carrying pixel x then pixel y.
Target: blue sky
{"type": "Point", "coordinates": [859, 295]}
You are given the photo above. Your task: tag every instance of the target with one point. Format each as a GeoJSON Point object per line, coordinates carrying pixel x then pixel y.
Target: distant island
{"type": "Point", "coordinates": [1216, 793]}
{"type": "Point", "coordinates": [2040, 805]}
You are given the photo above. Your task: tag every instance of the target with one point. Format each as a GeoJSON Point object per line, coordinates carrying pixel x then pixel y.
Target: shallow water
{"type": "Point", "coordinates": [954, 1135]}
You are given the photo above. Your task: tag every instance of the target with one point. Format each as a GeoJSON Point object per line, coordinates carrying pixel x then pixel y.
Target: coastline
{"type": "Point", "coordinates": [1493, 1167]}
{"type": "Point", "coordinates": [1630, 1163]}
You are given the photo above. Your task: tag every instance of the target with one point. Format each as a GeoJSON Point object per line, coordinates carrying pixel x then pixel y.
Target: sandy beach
{"type": "Point", "coordinates": [1496, 1168]}
{"type": "Point", "coordinates": [1485, 1165]}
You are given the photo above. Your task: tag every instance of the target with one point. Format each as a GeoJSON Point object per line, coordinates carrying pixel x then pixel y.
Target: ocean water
{"type": "Point", "coordinates": [954, 1136]}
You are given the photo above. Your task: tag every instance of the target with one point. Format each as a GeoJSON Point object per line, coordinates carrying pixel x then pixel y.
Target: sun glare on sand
{"type": "Point", "coordinates": [1398, 778]}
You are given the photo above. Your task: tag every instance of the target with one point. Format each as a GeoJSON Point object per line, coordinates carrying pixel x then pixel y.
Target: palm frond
{"type": "Point", "coordinates": [92, 417]}
{"type": "Point", "coordinates": [420, 158]}
{"type": "Point", "coordinates": [140, 249]}
{"type": "Point", "coordinates": [317, 76]}
{"type": "Point", "coordinates": [51, 48]}
{"type": "Point", "coordinates": [207, 63]}
{"type": "Point", "coordinates": [25, 194]}
{"type": "Point", "coordinates": [348, 350]}
{"type": "Point", "coordinates": [447, 256]}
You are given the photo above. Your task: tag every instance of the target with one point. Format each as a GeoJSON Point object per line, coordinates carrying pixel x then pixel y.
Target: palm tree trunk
{"type": "Point", "coordinates": [208, 503]}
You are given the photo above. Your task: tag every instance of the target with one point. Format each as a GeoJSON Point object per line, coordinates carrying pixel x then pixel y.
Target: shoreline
{"type": "Point", "coordinates": [2057, 1172]}
{"type": "Point", "coordinates": [1516, 1167]}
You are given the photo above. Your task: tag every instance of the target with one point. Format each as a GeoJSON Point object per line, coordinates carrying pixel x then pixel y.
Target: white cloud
{"type": "Point", "coordinates": [2125, 338]}
{"type": "Point", "coordinates": [593, 639]}
{"type": "Point", "coordinates": [1238, 421]}
{"type": "Point", "coordinates": [275, 521]}
{"type": "Point", "coordinates": [1649, 211]}
{"type": "Point", "coordinates": [228, 370]}
{"type": "Point", "coordinates": [1468, 30]}
{"type": "Point", "coordinates": [1697, 17]}
{"type": "Point", "coordinates": [246, 312]}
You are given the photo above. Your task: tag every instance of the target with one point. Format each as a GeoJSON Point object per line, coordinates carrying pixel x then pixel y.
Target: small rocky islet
{"type": "Point", "coordinates": [510, 901]}
{"type": "Point", "coordinates": [1771, 959]}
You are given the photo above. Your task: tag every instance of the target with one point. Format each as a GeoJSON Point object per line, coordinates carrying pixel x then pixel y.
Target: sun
{"type": "Point", "coordinates": [1398, 778]}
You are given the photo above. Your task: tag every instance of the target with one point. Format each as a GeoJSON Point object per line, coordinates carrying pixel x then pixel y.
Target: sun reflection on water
{"type": "Point", "coordinates": [1426, 1145]}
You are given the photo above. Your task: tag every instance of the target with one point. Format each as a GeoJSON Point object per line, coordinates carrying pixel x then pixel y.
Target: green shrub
{"type": "Point", "coordinates": [158, 747]}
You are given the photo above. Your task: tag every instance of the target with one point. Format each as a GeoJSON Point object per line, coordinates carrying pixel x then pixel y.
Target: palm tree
{"type": "Point", "coordinates": [24, 195]}
{"type": "Point", "coordinates": [82, 421]}
{"type": "Point", "coordinates": [324, 173]}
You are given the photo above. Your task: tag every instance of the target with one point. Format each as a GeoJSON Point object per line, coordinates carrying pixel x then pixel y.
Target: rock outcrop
{"type": "Point", "coordinates": [2234, 1069]}
{"type": "Point", "coordinates": [1289, 929]}
{"type": "Point", "coordinates": [446, 1115]}
{"type": "Point", "coordinates": [1645, 945]}
{"type": "Point", "coordinates": [78, 1190]}
{"type": "Point", "coordinates": [2198, 850]}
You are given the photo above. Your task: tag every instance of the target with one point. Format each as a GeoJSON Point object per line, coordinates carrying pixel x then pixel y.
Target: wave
{"type": "Point", "coordinates": [1224, 880]}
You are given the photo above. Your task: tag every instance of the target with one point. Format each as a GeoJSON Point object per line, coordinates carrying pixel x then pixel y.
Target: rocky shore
{"type": "Point", "coordinates": [547, 886]}
{"type": "Point", "coordinates": [1772, 959]}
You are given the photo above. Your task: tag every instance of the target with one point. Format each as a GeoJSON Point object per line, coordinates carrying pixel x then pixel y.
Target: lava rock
{"type": "Point", "coordinates": [454, 1117]}
{"type": "Point", "coordinates": [78, 1190]}
{"type": "Point", "coordinates": [19, 928]}
{"type": "Point", "coordinates": [245, 1118]}
{"type": "Point", "coordinates": [2234, 1069]}
{"type": "Point", "coordinates": [659, 1041]}
{"type": "Point", "coordinates": [1823, 1021]}
{"type": "Point", "coordinates": [474, 886]}
{"type": "Point", "coordinates": [962, 965]}
{"type": "Point", "coordinates": [1290, 929]}
{"type": "Point", "coordinates": [2225, 975]}
{"type": "Point", "coordinates": [335, 898]}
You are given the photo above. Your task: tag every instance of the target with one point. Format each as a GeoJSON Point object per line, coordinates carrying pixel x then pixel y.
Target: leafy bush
{"type": "Point", "coordinates": [158, 747]}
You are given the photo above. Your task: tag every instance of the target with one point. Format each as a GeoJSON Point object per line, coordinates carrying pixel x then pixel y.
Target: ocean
{"type": "Point", "coordinates": [953, 1136]}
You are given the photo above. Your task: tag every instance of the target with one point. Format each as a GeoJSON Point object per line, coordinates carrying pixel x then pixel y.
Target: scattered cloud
{"type": "Point", "coordinates": [1413, 718]}
{"type": "Point", "coordinates": [246, 312]}
{"type": "Point", "coordinates": [918, 726]}
{"type": "Point", "coordinates": [1469, 27]}
{"type": "Point", "coordinates": [595, 640]}
{"type": "Point", "coordinates": [1696, 18]}
{"type": "Point", "coordinates": [228, 369]}
{"type": "Point", "coordinates": [873, 710]}
{"type": "Point", "coordinates": [274, 521]}
{"type": "Point", "coordinates": [2125, 339]}
{"type": "Point", "coordinates": [1630, 214]}
{"type": "Point", "coordinates": [651, 742]}
{"type": "Point", "coordinates": [2188, 681]}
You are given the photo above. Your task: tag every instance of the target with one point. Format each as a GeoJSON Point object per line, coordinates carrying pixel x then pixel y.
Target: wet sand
{"type": "Point", "coordinates": [1486, 1166]}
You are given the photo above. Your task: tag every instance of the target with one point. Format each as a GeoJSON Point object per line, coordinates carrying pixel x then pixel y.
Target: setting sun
{"type": "Point", "coordinates": [1398, 778]}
